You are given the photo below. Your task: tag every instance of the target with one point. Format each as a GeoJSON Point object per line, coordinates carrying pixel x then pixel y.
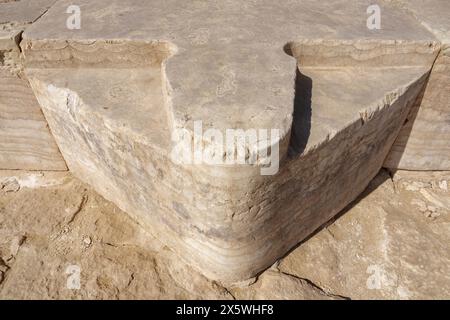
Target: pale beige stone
{"type": "Point", "coordinates": [17, 14]}
{"type": "Point", "coordinates": [9, 40]}
{"type": "Point", "coordinates": [26, 141]}
{"type": "Point", "coordinates": [383, 246]}
{"type": "Point", "coordinates": [40, 238]}
{"type": "Point", "coordinates": [113, 95]}
{"type": "Point", "coordinates": [424, 142]}
{"type": "Point", "coordinates": [431, 14]}
{"type": "Point", "coordinates": [274, 285]}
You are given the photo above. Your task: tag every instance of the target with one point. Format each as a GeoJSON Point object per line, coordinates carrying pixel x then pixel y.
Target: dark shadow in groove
{"type": "Point", "coordinates": [301, 123]}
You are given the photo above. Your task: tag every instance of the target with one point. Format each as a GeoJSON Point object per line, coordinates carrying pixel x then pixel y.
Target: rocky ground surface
{"type": "Point", "coordinates": [393, 242]}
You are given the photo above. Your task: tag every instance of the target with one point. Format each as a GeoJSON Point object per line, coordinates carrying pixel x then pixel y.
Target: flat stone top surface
{"type": "Point", "coordinates": [9, 39]}
{"type": "Point", "coordinates": [23, 11]}
{"type": "Point", "coordinates": [228, 66]}
{"type": "Point", "coordinates": [433, 14]}
{"type": "Point", "coordinates": [227, 21]}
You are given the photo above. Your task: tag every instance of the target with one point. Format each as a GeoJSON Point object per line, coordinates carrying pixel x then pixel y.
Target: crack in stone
{"type": "Point", "coordinates": [131, 279]}
{"type": "Point", "coordinates": [227, 291]}
{"type": "Point", "coordinates": [78, 209]}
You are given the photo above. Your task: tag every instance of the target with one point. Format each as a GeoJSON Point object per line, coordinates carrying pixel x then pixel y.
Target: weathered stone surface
{"type": "Point", "coordinates": [250, 65]}
{"type": "Point", "coordinates": [273, 285]}
{"type": "Point", "coordinates": [387, 245]}
{"type": "Point", "coordinates": [26, 141]}
{"type": "Point", "coordinates": [15, 16]}
{"type": "Point", "coordinates": [424, 142]}
{"type": "Point", "coordinates": [430, 14]}
{"type": "Point", "coordinates": [54, 221]}
{"type": "Point", "coordinates": [9, 40]}
{"type": "Point", "coordinates": [113, 102]}
{"type": "Point", "coordinates": [10, 57]}
{"type": "Point", "coordinates": [19, 14]}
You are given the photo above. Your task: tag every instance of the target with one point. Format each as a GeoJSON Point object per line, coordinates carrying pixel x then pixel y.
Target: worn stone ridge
{"type": "Point", "coordinates": [339, 99]}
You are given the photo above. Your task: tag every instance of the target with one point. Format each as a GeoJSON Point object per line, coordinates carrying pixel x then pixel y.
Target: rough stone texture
{"type": "Point", "coordinates": [424, 142]}
{"type": "Point", "coordinates": [10, 57]}
{"type": "Point", "coordinates": [55, 221]}
{"type": "Point", "coordinates": [26, 141]}
{"type": "Point", "coordinates": [52, 221]}
{"type": "Point", "coordinates": [217, 56]}
{"type": "Point", "coordinates": [114, 92]}
{"type": "Point", "coordinates": [392, 243]}
{"type": "Point", "coordinates": [207, 224]}
{"type": "Point", "coordinates": [9, 40]}
{"type": "Point", "coordinates": [274, 285]}
{"type": "Point", "coordinates": [19, 14]}
{"type": "Point", "coordinates": [15, 16]}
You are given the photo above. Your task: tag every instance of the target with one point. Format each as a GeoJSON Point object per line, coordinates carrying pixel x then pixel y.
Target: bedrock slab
{"type": "Point", "coordinates": [115, 92]}
{"type": "Point", "coordinates": [424, 142]}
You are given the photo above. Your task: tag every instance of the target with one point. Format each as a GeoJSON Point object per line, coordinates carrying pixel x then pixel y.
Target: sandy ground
{"type": "Point", "coordinates": [60, 240]}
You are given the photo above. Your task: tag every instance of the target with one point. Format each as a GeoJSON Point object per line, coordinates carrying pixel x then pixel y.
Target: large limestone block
{"type": "Point", "coordinates": [424, 142]}
{"type": "Point", "coordinates": [114, 102]}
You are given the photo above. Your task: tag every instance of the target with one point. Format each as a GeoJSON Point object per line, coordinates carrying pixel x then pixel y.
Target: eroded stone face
{"type": "Point", "coordinates": [114, 102]}
{"type": "Point", "coordinates": [26, 141]}
{"type": "Point", "coordinates": [423, 143]}
{"type": "Point", "coordinates": [391, 244]}
{"type": "Point", "coordinates": [227, 66]}
{"type": "Point", "coordinates": [16, 14]}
